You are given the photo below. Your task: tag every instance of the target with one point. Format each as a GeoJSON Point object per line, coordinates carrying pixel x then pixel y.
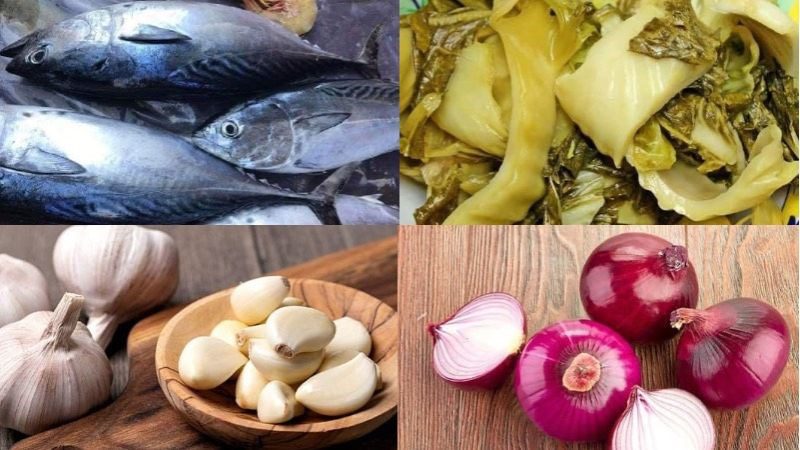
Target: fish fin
{"type": "Point", "coordinates": [37, 161]}
{"type": "Point", "coordinates": [151, 34]}
{"type": "Point", "coordinates": [328, 188]}
{"type": "Point", "coordinates": [15, 48]}
{"type": "Point", "coordinates": [369, 54]}
{"type": "Point", "coordinates": [320, 122]}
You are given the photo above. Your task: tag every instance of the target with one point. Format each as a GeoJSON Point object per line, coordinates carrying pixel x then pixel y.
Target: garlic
{"type": "Point", "coordinates": [122, 271]}
{"type": "Point", "coordinates": [275, 367]}
{"type": "Point", "coordinates": [254, 300]}
{"type": "Point", "coordinates": [23, 290]}
{"type": "Point", "coordinates": [244, 335]}
{"type": "Point", "coordinates": [293, 301]}
{"type": "Point", "coordinates": [249, 386]}
{"type": "Point", "coordinates": [298, 329]}
{"type": "Point", "coordinates": [206, 362]}
{"type": "Point", "coordinates": [276, 403]}
{"type": "Point", "coordinates": [227, 330]}
{"type": "Point", "coordinates": [341, 390]}
{"type": "Point", "coordinates": [350, 335]}
{"type": "Point", "coordinates": [52, 370]}
{"type": "Point", "coordinates": [336, 359]}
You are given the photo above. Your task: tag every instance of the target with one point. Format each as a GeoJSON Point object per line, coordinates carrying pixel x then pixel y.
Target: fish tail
{"type": "Point", "coordinates": [369, 54]}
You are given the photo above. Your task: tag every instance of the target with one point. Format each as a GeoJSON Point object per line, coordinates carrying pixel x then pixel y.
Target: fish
{"type": "Point", "coordinates": [175, 49]}
{"type": "Point", "coordinates": [314, 128]}
{"type": "Point", "coordinates": [353, 210]}
{"type": "Point", "coordinates": [76, 168]}
{"type": "Point", "coordinates": [288, 214]}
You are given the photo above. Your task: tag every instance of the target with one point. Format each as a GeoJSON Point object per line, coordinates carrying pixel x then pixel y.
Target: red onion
{"type": "Point", "coordinates": [476, 347]}
{"type": "Point", "coordinates": [633, 281]}
{"type": "Point", "coordinates": [573, 379]}
{"type": "Point", "coordinates": [732, 353]}
{"type": "Point", "coordinates": [663, 420]}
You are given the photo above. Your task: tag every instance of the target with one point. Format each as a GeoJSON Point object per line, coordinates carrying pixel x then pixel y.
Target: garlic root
{"type": "Point", "coordinates": [206, 362]}
{"type": "Point", "coordinates": [293, 330]}
{"type": "Point", "coordinates": [227, 331]}
{"type": "Point", "coordinates": [275, 367]}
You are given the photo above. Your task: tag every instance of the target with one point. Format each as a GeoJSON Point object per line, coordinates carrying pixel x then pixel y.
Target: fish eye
{"type": "Point", "coordinates": [231, 129]}
{"type": "Point", "coordinates": [38, 55]}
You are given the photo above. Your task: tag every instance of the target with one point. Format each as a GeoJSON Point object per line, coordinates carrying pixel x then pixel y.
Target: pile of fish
{"type": "Point", "coordinates": [189, 112]}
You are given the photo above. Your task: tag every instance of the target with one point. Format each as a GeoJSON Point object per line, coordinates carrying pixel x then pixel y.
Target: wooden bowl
{"type": "Point", "coordinates": [215, 412]}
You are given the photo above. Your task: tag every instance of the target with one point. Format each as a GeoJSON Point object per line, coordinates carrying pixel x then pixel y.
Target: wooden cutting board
{"type": "Point", "coordinates": [142, 418]}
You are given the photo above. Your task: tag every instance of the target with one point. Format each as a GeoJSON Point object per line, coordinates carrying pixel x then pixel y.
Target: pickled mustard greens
{"type": "Point", "coordinates": [578, 112]}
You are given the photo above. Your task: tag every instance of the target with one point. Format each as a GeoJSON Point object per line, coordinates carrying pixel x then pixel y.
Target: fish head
{"type": "Point", "coordinates": [257, 136]}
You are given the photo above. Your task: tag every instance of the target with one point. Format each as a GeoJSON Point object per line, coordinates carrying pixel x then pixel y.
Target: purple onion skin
{"type": "Point", "coordinates": [734, 355]}
{"type": "Point", "coordinates": [564, 414]}
{"type": "Point", "coordinates": [641, 315]}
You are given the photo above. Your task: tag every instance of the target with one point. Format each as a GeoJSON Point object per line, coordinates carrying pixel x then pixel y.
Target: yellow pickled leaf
{"type": "Point", "coordinates": [408, 75]}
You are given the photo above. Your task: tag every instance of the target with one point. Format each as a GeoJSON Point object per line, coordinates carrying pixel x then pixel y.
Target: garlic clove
{"type": "Point", "coordinates": [243, 336]}
{"type": "Point", "coordinates": [336, 359]}
{"type": "Point", "coordinates": [248, 386]}
{"type": "Point", "coordinates": [23, 290]}
{"type": "Point", "coordinates": [227, 331]}
{"type": "Point", "coordinates": [206, 362]}
{"type": "Point", "coordinates": [350, 335]}
{"type": "Point", "coordinates": [293, 301]}
{"type": "Point", "coordinates": [254, 300]}
{"type": "Point", "coordinates": [275, 367]}
{"type": "Point", "coordinates": [277, 404]}
{"type": "Point", "coordinates": [298, 329]}
{"type": "Point", "coordinates": [340, 390]}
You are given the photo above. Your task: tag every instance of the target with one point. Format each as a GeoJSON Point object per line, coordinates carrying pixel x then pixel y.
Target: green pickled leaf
{"type": "Point", "coordinates": [783, 103]}
{"type": "Point", "coordinates": [651, 149]}
{"type": "Point", "coordinates": [678, 34]}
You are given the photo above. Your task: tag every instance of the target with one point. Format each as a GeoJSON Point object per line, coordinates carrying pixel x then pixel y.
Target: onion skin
{"type": "Point", "coordinates": [731, 354]}
{"type": "Point", "coordinates": [494, 376]}
{"type": "Point", "coordinates": [566, 414]}
{"type": "Point", "coordinates": [633, 281]}
{"type": "Point", "coordinates": [663, 420]}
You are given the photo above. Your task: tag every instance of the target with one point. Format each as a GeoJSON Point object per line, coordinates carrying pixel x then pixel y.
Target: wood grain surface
{"type": "Point", "coordinates": [213, 258]}
{"type": "Point", "coordinates": [443, 267]}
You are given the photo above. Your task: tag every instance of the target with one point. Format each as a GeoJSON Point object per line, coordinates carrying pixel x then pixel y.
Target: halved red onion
{"type": "Point", "coordinates": [573, 379]}
{"type": "Point", "coordinates": [731, 354]}
{"type": "Point", "coordinates": [476, 347]}
{"type": "Point", "coordinates": [663, 420]}
{"type": "Point", "coordinates": [633, 281]}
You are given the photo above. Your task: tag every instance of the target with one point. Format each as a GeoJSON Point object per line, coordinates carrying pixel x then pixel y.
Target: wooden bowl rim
{"type": "Point", "coordinates": [169, 380]}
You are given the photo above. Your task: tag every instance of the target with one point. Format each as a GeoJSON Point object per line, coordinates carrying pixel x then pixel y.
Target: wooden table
{"type": "Point", "coordinates": [443, 267]}
{"type": "Point", "coordinates": [212, 258]}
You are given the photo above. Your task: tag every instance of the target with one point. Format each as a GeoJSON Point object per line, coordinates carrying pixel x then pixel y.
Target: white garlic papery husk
{"type": "Point", "coordinates": [52, 371]}
{"type": "Point", "coordinates": [23, 289]}
{"type": "Point", "coordinates": [122, 271]}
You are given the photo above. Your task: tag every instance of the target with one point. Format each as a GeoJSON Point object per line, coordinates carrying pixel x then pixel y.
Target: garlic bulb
{"type": "Point", "coordinates": [23, 290]}
{"type": "Point", "coordinates": [276, 403]}
{"type": "Point", "coordinates": [52, 370]}
{"type": "Point", "coordinates": [299, 329]}
{"type": "Point", "coordinates": [350, 335]}
{"type": "Point", "coordinates": [254, 300]}
{"type": "Point", "coordinates": [341, 390]}
{"type": "Point", "coordinates": [206, 362]}
{"type": "Point", "coordinates": [276, 367]}
{"type": "Point", "coordinates": [121, 270]}
{"type": "Point", "coordinates": [227, 330]}
{"type": "Point", "coordinates": [248, 386]}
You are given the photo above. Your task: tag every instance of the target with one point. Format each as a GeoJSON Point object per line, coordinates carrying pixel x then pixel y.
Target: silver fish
{"type": "Point", "coordinates": [354, 210]}
{"type": "Point", "coordinates": [270, 215]}
{"type": "Point", "coordinates": [157, 49]}
{"type": "Point", "coordinates": [312, 129]}
{"type": "Point", "coordinates": [70, 167]}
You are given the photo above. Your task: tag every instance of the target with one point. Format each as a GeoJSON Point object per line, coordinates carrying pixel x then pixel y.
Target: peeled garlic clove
{"type": "Point", "coordinates": [254, 300]}
{"type": "Point", "coordinates": [227, 331]}
{"type": "Point", "coordinates": [341, 390]}
{"type": "Point", "coordinates": [52, 371]}
{"type": "Point", "coordinates": [23, 290]}
{"type": "Point", "coordinates": [350, 335]}
{"type": "Point", "coordinates": [336, 359]}
{"type": "Point", "coordinates": [276, 403]}
{"type": "Point", "coordinates": [299, 329]}
{"type": "Point", "coordinates": [293, 301]}
{"type": "Point", "coordinates": [296, 15]}
{"type": "Point", "coordinates": [248, 386]}
{"type": "Point", "coordinates": [275, 367]}
{"type": "Point", "coordinates": [243, 336]}
{"type": "Point", "coordinates": [206, 362]}
{"type": "Point", "coordinates": [122, 270]}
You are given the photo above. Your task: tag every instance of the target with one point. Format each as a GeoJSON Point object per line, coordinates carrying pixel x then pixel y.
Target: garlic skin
{"type": "Point", "coordinates": [122, 270]}
{"type": "Point", "coordinates": [254, 300]}
{"type": "Point", "coordinates": [23, 289]}
{"type": "Point", "coordinates": [227, 331]}
{"type": "Point", "coordinates": [206, 362]}
{"type": "Point", "coordinates": [275, 367]}
{"type": "Point", "coordinates": [277, 404]}
{"type": "Point", "coordinates": [350, 335]}
{"type": "Point", "coordinates": [249, 386]}
{"type": "Point", "coordinates": [298, 329]}
{"type": "Point", "coordinates": [293, 301]}
{"type": "Point", "coordinates": [244, 335]}
{"type": "Point", "coordinates": [336, 359]}
{"type": "Point", "coordinates": [52, 371]}
{"type": "Point", "coordinates": [340, 390]}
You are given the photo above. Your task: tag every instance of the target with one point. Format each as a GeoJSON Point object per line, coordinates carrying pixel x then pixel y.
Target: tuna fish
{"type": "Point", "coordinates": [316, 128]}
{"type": "Point", "coordinates": [158, 49]}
